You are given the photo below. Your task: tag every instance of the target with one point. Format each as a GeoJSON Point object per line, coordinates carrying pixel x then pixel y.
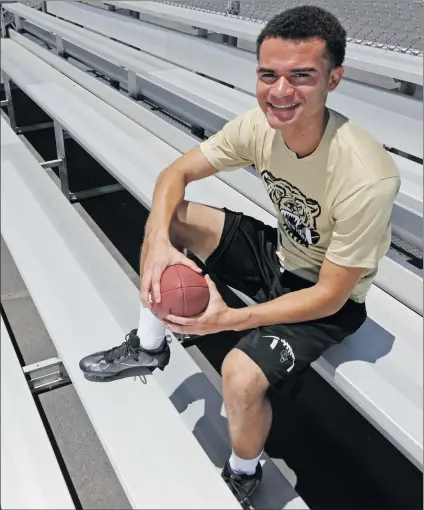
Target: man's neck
{"type": "Point", "coordinates": [305, 139]}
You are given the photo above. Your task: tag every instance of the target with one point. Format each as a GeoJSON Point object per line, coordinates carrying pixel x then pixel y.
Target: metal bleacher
{"type": "Point", "coordinates": [66, 258]}
{"type": "Point", "coordinates": [24, 484]}
{"type": "Point", "coordinates": [392, 118]}
{"type": "Point", "coordinates": [115, 118]}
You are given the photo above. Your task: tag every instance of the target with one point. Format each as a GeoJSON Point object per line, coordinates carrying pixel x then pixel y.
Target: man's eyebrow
{"type": "Point", "coordinates": [294, 70]}
{"type": "Point", "coordinates": [303, 70]}
{"type": "Point", "coordinates": [266, 70]}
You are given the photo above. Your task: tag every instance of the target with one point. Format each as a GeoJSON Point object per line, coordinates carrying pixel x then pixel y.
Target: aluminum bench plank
{"type": "Point", "coordinates": [156, 156]}
{"type": "Point", "coordinates": [81, 117]}
{"type": "Point", "coordinates": [198, 88]}
{"type": "Point", "coordinates": [386, 370]}
{"type": "Point", "coordinates": [390, 273]}
{"type": "Point", "coordinates": [379, 409]}
{"type": "Point", "coordinates": [228, 103]}
{"type": "Point", "coordinates": [411, 192]}
{"type": "Point", "coordinates": [375, 60]}
{"type": "Point", "coordinates": [393, 119]}
{"type": "Point", "coordinates": [67, 261]}
{"type": "Point", "coordinates": [30, 477]}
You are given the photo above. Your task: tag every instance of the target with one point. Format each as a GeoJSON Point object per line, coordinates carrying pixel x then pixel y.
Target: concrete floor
{"type": "Point", "coordinates": [336, 458]}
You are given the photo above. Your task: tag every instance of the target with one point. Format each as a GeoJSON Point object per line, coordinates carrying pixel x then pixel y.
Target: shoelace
{"type": "Point", "coordinates": [121, 350]}
{"type": "Point", "coordinates": [240, 495]}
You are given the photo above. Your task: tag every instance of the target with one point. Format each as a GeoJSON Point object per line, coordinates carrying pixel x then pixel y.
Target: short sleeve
{"type": "Point", "coordinates": [362, 234]}
{"type": "Point", "coordinates": [234, 145]}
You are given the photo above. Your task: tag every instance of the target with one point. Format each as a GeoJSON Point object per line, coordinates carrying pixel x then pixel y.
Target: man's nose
{"type": "Point", "coordinates": [282, 88]}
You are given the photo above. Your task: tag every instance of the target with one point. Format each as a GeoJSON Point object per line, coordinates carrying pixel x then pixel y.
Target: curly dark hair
{"type": "Point", "coordinates": [308, 22]}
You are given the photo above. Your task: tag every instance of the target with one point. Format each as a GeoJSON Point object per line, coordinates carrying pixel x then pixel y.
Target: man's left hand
{"type": "Point", "coordinates": [217, 317]}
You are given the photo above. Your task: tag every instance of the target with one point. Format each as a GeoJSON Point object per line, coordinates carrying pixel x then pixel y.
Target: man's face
{"type": "Point", "coordinates": [294, 79]}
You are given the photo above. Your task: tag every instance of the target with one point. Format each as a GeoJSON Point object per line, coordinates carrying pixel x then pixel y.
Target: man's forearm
{"type": "Point", "coordinates": [168, 194]}
{"type": "Point", "coordinates": [299, 306]}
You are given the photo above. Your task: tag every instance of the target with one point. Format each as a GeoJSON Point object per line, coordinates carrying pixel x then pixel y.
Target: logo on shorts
{"type": "Point", "coordinates": [287, 356]}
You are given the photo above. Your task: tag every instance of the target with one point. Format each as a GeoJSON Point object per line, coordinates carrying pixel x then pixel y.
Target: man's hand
{"type": "Point", "coordinates": [157, 255]}
{"type": "Point", "coordinates": [217, 317]}
{"type": "Point", "coordinates": [323, 299]}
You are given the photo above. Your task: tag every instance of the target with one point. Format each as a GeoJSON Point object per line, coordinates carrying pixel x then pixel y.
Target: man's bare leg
{"type": "Point", "coordinates": [248, 409]}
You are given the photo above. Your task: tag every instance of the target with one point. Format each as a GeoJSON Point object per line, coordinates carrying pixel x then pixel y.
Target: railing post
{"type": "Point", "coordinates": [10, 107]}
{"type": "Point", "coordinates": [233, 7]}
{"type": "Point", "coordinates": [60, 51]}
{"type": "Point", "coordinates": [18, 22]}
{"type": "Point", "coordinates": [202, 32]}
{"type": "Point", "coordinates": [3, 25]}
{"type": "Point", "coordinates": [63, 169]}
{"type": "Point", "coordinates": [132, 84]}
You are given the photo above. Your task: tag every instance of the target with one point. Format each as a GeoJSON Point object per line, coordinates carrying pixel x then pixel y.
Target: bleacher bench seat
{"type": "Point", "coordinates": [371, 366]}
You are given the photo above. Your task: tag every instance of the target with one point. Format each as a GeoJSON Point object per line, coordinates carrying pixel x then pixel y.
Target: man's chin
{"type": "Point", "coordinates": [278, 123]}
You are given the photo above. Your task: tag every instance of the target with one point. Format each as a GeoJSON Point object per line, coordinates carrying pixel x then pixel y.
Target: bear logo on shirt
{"type": "Point", "coordinates": [300, 213]}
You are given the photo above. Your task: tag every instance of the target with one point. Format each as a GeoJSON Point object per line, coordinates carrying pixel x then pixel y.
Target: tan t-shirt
{"type": "Point", "coordinates": [335, 203]}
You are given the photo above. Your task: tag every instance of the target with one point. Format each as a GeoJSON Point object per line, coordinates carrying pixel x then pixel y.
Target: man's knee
{"type": "Point", "coordinates": [180, 216]}
{"type": "Point", "coordinates": [197, 227]}
{"type": "Point", "coordinates": [243, 381]}
{"type": "Point", "coordinates": [179, 232]}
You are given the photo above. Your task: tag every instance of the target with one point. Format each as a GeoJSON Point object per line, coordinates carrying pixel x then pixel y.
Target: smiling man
{"type": "Point", "coordinates": [333, 187]}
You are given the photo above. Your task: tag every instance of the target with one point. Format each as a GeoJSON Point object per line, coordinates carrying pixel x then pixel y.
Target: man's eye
{"type": "Point", "coordinates": [300, 75]}
{"type": "Point", "coordinates": [268, 75]}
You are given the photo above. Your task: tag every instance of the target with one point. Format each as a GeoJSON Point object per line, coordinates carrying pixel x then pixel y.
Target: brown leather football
{"type": "Point", "coordinates": [184, 293]}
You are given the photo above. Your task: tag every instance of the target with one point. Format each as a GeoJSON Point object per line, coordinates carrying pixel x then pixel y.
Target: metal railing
{"type": "Point", "coordinates": [396, 25]}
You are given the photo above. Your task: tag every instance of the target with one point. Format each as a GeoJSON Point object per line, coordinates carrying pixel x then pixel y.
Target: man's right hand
{"type": "Point", "coordinates": [158, 254]}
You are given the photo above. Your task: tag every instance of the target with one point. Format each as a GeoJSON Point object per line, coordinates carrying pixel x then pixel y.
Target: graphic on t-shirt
{"type": "Point", "coordinates": [299, 211]}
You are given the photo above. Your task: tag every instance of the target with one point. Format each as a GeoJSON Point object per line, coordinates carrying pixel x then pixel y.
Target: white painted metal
{"type": "Point", "coordinates": [383, 363]}
{"type": "Point", "coordinates": [195, 110]}
{"type": "Point", "coordinates": [384, 62]}
{"type": "Point", "coordinates": [379, 370]}
{"type": "Point", "coordinates": [139, 427]}
{"type": "Point", "coordinates": [142, 116]}
{"type": "Point", "coordinates": [214, 98]}
{"type": "Point", "coordinates": [41, 365]}
{"type": "Point", "coordinates": [81, 117]}
{"type": "Point", "coordinates": [30, 474]}
{"type": "Point", "coordinates": [411, 193]}
{"type": "Point", "coordinates": [402, 284]}
{"type": "Point", "coordinates": [219, 104]}
{"type": "Point", "coordinates": [9, 101]}
{"type": "Point", "coordinates": [141, 159]}
{"type": "Point", "coordinates": [393, 119]}
{"type": "Point", "coordinates": [227, 102]}
{"type": "Point", "coordinates": [390, 274]}
{"type": "Point", "coordinates": [373, 340]}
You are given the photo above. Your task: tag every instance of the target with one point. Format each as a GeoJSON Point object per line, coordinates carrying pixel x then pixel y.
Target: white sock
{"type": "Point", "coordinates": [244, 466]}
{"type": "Point", "coordinates": [151, 331]}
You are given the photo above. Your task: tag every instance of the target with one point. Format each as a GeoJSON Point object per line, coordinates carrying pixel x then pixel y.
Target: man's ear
{"type": "Point", "coordinates": [336, 76]}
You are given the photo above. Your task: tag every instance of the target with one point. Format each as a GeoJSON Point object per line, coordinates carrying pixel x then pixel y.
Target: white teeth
{"type": "Point", "coordinates": [284, 107]}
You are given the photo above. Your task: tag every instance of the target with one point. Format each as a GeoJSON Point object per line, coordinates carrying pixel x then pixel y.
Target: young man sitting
{"type": "Point", "coordinates": [333, 187]}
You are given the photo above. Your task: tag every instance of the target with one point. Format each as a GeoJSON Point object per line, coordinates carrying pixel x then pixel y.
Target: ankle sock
{"type": "Point", "coordinates": [160, 349]}
{"type": "Point", "coordinates": [151, 331]}
{"type": "Point", "coordinates": [243, 466]}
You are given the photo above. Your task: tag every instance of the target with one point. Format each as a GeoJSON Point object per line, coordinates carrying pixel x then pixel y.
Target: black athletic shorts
{"type": "Point", "coordinates": [246, 260]}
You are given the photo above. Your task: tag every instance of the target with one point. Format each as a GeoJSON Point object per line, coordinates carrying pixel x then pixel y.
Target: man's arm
{"type": "Point", "coordinates": [325, 298]}
{"type": "Point", "coordinates": [170, 188]}
{"type": "Point", "coordinates": [361, 237]}
{"type": "Point", "coordinates": [228, 149]}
